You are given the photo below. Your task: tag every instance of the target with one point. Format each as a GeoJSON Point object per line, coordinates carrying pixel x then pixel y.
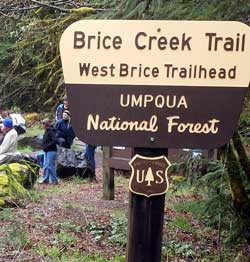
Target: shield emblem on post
{"type": "Point", "coordinates": [149, 175]}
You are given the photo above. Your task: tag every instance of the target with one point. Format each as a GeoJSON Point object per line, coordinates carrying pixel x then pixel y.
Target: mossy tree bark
{"type": "Point", "coordinates": [239, 195]}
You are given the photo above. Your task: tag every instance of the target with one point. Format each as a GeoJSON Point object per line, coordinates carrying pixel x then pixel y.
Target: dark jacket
{"type": "Point", "coordinates": [65, 130]}
{"type": "Point", "coordinates": [59, 112]}
{"type": "Point", "coordinates": [49, 140]}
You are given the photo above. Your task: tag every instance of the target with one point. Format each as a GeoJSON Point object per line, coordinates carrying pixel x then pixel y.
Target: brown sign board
{"type": "Point", "coordinates": [155, 84]}
{"type": "Point", "coordinates": [149, 175]}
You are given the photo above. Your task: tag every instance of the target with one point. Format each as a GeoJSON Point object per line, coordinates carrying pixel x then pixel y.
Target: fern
{"type": "Point", "coordinates": [209, 179]}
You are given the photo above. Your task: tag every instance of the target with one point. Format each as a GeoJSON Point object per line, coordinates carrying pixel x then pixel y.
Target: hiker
{"type": "Point", "coordinates": [9, 141]}
{"type": "Point", "coordinates": [18, 122]}
{"type": "Point", "coordinates": [50, 151]}
{"type": "Point", "coordinates": [64, 131]}
{"type": "Point", "coordinates": [61, 108]}
{"type": "Point", "coordinates": [90, 156]}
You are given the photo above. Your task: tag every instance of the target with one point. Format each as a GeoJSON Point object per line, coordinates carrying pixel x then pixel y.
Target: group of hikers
{"type": "Point", "coordinates": [56, 133]}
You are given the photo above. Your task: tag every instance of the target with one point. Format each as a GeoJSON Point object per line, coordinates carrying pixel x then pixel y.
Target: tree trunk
{"type": "Point", "coordinates": [244, 160]}
{"type": "Point", "coordinates": [108, 176]}
{"type": "Point", "coordinates": [240, 198]}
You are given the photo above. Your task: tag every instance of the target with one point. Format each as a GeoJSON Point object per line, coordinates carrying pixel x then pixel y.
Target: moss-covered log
{"type": "Point", "coordinates": [239, 195]}
{"type": "Point", "coordinates": [15, 179]}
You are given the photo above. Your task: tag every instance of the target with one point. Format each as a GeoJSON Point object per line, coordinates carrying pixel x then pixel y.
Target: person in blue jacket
{"type": "Point", "coordinates": [61, 108]}
{"type": "Point", "coordinates": [64, 131]}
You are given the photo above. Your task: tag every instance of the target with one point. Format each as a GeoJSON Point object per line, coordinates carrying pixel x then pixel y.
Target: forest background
{"type": "Point", "coordinates": [31, 73]}
{"type": "Point", "coordinates": [31, 79]}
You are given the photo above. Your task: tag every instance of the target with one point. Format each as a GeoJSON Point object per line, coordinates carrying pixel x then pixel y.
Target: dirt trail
{"type": "Point", "coordinates": [66, 208]}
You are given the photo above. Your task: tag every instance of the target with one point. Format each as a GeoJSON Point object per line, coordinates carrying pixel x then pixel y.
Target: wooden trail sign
{"type": "Point", "coordinates": [156, 84]}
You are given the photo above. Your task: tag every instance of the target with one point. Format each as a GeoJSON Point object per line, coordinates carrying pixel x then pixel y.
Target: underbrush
{"type": "Point", "coordinates": [197, 224]}
{"type": "Point", "coordinates": [205, 220]}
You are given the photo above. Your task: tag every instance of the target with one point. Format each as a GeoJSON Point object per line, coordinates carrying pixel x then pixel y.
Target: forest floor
{"type": "Point", "coordinates": [71, 222]}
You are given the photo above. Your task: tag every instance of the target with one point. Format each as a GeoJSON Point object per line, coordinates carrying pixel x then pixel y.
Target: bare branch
{"type": "Point", "coordinates": [51, 6]}
{"type": "Point", "coordinates": [1, 13]}
{"type": "Point", "coordinates": [7, 8]}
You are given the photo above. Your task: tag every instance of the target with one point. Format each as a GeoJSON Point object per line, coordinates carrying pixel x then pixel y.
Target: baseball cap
{"type": "Point", "coordinates": [7, 122]}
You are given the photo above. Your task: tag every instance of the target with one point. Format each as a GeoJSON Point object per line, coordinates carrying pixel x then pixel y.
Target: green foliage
{"type": "Point", "coordinates": [182, 10]}
{"type": "Point", "coordinates": [209, 179]}
{"type": "Point", "coordinates": [99, 258]}
{"type": "Point", "coordinates": [24, 149]}
{"type": "Point", "coordinates": [78, 180]}
{"type": "Point", "coordinates": [34, 195]}
{"type": "Point", "coordinates": [119, 231]}
{"type": "Point", "coordinates": [52, 252]}
{"type": "Point", "coordinates": [68, 226]}
{"type": "Point", "coordinates": [180, 223]}
{"type": "Point", "coordinates": [5, 48]}
{"type": "Point", "coordinates": [10, 185]}
{"type": "Point", "coordinates": [97, 230]}
{"type": "Point", "coordinates": [35, 73]}
{"type": "Point", "coordinates": [244, 122]}
{"type": "Point", "coordinates": [7, 214]}
{"type": "Point", "coordinates": [17, 236]}
{"type": "Point", "coordinates": [196, 207]}
{"type": "Point", "coordinates": [115, 231]}
{"type": "Point", "coordinates": [181, 249]}
{"type": "Point", "coordinates": [15, 178]}
{"type": "Point", "coordinates": [66, 238]}
{"type": "Point", "coordinates": [58, 255]}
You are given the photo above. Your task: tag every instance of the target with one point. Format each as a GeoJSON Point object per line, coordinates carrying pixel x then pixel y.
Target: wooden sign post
{"type": "Point", "coordinates": [146, 214]}
{"type": "Point", "coordinates": [154, 84]}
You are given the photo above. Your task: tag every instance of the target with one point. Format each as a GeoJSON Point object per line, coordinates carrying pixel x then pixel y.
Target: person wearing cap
{"type": "Point", "coordinates": [64, 131]}
{"type": "Point", "coordinates": [10, 136]}
{"type": "Point", "coordinates": [18, 122]}
{"type": "Point", "coordinates": [60, 109]}
{"type": "Point", "coordinates": [50, 150]}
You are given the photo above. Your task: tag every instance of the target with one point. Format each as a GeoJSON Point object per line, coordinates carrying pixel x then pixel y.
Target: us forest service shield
{"type": "Point", "coordinates": [149, 175]}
